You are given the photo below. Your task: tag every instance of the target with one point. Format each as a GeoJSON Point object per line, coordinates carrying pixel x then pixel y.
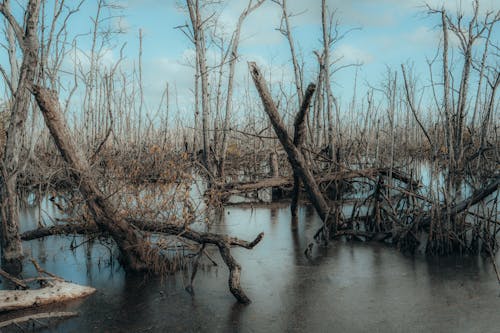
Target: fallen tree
{"type": "Point", "coordinates": [223, 191]}
{"type": "Point", "coordinates": [136, 253]}
{"type": "Point", "coordinates": [56, 291]}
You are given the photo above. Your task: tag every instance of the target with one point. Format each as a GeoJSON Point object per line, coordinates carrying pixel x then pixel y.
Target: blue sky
{"type": "Point", "coordinates": [390, 32]}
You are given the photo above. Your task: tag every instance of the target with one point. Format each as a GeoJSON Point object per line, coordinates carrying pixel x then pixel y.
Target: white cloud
{"type": "Point", "coordinates": [423, 36]}
{"type": "Point", "coordinates": [350, 54]}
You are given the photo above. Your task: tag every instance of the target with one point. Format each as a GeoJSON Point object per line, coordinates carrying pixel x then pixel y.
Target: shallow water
{"type": "Point", "coordinates": [350, 287]}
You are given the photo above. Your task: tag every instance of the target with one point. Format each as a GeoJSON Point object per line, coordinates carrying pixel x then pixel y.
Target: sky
{"type": "Point", "coordinates": [381, 33]}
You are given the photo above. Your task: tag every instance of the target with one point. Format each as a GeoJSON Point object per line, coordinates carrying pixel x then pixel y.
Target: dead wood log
{"type": "Point", "coordinates": [223, 243]}
{"type": "Point", "coordinates": [37, 317]}
{"type": "Point", "coordinates": [228, 189]}
{"type": "Point", "coordinates": [199, 237]}
{"type": "Point", "coordinates": [159, 227]}
{"type": "Point", "coordinates": [295, 156]}
{"type": "Point", "coordinates": [63, 229]}
{"type": "Point", "coordinates": [56, 291]}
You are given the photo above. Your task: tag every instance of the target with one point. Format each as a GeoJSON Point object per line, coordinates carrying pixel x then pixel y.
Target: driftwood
{"type": "Point", "coordinates": [36, 317]}
{"type": "Point", "coordinates": [57, 291]}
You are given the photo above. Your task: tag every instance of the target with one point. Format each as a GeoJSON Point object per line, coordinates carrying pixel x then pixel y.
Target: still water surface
{"type": "Point", "coordinates": [347, 287]}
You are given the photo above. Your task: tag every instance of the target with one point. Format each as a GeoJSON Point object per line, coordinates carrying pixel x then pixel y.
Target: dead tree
{"type": "Point", "coordinates": [27, 39]}
{"type": "Point", "coordinates": [136, 253]}
{"type": "Point", "coordinates": [298, 140]}
{"type": "Point", "coordinates": [286, 31]}
{"type": "Point", "coordinates": [235, 41]}
{"type": "Point", "coordinates": [295, 156]}
{"type": "Point", "coordinates": [468, 33]}
{"type": "Point", "coordinates": [197, 23]}
{"type": "Point", "coordinates": [327, 43]}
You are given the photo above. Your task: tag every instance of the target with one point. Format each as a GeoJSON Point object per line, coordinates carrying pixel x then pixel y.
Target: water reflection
{"type": "Point", "coordinates": [351, 287]}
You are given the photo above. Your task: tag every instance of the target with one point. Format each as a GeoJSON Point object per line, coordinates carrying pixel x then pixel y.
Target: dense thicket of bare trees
{"type": "Point", "coordinates": [449, 120]}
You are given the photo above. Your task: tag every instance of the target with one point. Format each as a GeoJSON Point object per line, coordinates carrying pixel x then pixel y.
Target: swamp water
{"type": "Point", "coordinates": [347, 287]}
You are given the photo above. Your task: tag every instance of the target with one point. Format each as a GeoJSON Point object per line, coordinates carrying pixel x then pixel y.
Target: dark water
{"type": "Point", "coordinates": [347, 287]}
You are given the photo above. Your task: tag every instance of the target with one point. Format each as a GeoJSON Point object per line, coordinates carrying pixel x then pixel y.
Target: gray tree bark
{"type": "Point", "coordinates": [235, 41]}
{"type": "Point", "coordinates": [9, 201]}
{"type": "Point", "coordinates": [295, 156]}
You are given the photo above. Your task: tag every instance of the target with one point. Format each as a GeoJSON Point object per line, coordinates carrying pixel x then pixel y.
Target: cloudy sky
{"type": "Point", "coordinates": [385, 33]}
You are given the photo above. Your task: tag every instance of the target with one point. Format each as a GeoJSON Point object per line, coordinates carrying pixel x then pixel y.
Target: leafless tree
{"type": "Point", "coordinates": [235, 40]}
{"type": "Point", "coordinates": [27, 39]}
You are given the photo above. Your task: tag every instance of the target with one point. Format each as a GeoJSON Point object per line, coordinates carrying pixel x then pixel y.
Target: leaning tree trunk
{"type": "Point", "coordinates": [135, 253]}
{"type": "Point", "coordinates": [9, 201]}
{"type": "Point", "coordinates": [295, 156]}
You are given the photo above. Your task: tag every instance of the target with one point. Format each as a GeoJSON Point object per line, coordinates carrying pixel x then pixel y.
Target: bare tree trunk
{"type": "Point", "coordinates": [199, 39]}
{"type": "Point", "coordinates": [481, 75]}
{"type": "Point", "coordinates": [326, 60]}
{"type": "Point", "coordinates": [196, 107]}
{"type": "Point", "coordinates": [11, 39]}
{"type": "Point", "coordinates": [288, 34]}
{"type": "Point", "coordinates": [135, 253]}
{"type": "Point", "coordinates": [446, 96]}
{"type": "Point", "coordinates": [298, 141]}
{"type": "Point", "coordinates": [295, 156]}
{"type": "Point", "coordinates": [300, 121]}
{"type": "Point", "coordinates": [230, 82]}
{"type": "Point", "coordinates": [462, 104]}
{"type": "Point", "coordinates": [318, 102]}
{"type": "Point", "coordinates": [489, 110]}
{"type": "Point", "coordinates": [28, 40]}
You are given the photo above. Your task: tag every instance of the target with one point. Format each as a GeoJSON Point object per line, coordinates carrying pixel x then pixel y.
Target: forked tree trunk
{"type": "Point", "coordinates": [295, 156]}
{"type": "Point", "coordinates": [135, 253]}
